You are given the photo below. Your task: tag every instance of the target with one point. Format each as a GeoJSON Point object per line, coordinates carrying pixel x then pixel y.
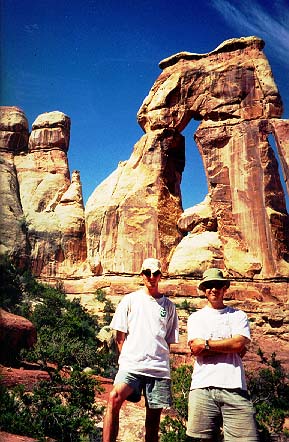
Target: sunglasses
{"type": "Point", "coordinates": [148, 273]}
{"type": "Point", "coordinates": [214, 284]}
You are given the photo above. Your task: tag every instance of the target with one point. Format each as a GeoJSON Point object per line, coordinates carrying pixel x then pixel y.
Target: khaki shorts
{"type": "Point", "coordinates": [210, 408]}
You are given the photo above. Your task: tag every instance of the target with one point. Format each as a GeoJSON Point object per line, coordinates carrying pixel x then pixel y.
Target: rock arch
{"type": "Point", "coordinates": [136, 211]}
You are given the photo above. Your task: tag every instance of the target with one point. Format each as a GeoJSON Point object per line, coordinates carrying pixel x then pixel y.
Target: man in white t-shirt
{"type": "Point", "coordinates": [146, 324]}
{"type": "Point", "coordinates": [217, 336]}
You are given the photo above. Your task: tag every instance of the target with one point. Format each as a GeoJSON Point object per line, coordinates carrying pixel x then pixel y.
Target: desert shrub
{"type": "Point", "coordinates": [108, 307]}
{"type": "Point", "coordinates": [66, 332]}
{"type": "Point", "coordinates": [100, 295]}
{"type": "Point", "coordinates": [269, 390]}
{"type": "Point", "coordinates": [187, 306]}
{"type": "Point", "coordinates": [61, 409]}
{"type": "Point", "coordinates": [173, 426]}
{"type": "Point", "coordinates": [10, 285]}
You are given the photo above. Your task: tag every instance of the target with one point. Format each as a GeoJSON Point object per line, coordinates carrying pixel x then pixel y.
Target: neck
{"type": "Point", "coordinates": [153, 291]}
{"type": "Point", "coordinates": [216, 306]}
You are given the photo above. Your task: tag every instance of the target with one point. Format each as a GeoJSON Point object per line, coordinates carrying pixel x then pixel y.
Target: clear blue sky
{"type": "Point", "coordinates": [96, 60]}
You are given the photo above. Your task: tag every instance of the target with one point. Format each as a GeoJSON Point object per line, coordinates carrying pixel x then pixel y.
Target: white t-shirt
{"type": "Point", "coordinates": [151, 325]}
{"type": "Point", "coordinates": [224, 370]}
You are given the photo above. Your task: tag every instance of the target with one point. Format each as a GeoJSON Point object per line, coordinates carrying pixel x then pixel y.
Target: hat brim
{"type": "Point", "coordinates": [203, 283]}
{"type": "Point", "coordinates": [152, 269]}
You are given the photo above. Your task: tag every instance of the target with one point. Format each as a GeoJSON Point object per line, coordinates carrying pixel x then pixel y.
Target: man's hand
{"type": "Point", "coordinates": [197, 346]}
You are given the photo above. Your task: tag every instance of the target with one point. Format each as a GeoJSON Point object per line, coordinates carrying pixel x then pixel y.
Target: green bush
{"type": "Point", "coordinates": [66, 332]}
{"type": "Point", "coordinates": [173, 427]}
{"type": "Point", "coordinates": [187, 306]}
{"type": "Point", "coordinates": [108, 307]}
{"type": "Point", "coordinates": [269, 390]}
{"type": "Point", "coordinates": [10, 285]}
{"type": "Point", "coordinates": [62, 409]}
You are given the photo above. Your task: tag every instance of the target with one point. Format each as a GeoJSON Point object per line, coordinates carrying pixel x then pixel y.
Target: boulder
{"type": "Point", "coordinates": [16, 333]}
{"type": "Point", "coordinates": [195, 253]}
{"type": "Point", "coordinates": [13, 129]}
{"type": "Point", "coordinates": [8, 437]}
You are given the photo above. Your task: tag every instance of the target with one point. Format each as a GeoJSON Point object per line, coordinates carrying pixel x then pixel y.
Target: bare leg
{"type": "Point", "coordinates": [152, 423]}
{"type": "Point", "coordinates": [111, 419]}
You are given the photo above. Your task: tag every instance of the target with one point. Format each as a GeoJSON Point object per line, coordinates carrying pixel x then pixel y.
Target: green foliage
{"type": "Point", "coordinates": [173, 428]}
{"type": "Point", "coordinates": [188, 306]}
{"type": "Point", "coordinates": [66, 332]}
{"type": "Point", "coordinates": [62, 409]}
{"type": "Point", "coordinates": [108, 307]}
{"type": "Point", "coordinates": [100, 295]}
{"type": "Point", "coordinates": [269, 390]}
{"type": "Point", "coordinates": [10, 285]}
{"type": "Point", "coordinates": [181, 381]}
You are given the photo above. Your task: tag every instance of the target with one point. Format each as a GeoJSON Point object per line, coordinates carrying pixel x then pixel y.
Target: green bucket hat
{"type": "Point", "coordinates": [213, 274]}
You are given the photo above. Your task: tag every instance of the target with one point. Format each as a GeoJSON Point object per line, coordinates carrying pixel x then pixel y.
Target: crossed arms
{"type": "Point", "coordinates": [235, 344]}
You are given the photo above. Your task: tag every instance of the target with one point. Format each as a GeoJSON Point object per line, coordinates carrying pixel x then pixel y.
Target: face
{"type": "Point", "coordinates": [150, 279]}
{"type": "Point", "coordinates": [215, 291]}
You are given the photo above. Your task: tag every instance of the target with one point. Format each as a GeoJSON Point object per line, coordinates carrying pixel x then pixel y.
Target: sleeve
{"type": "Point", "coordinates": [120, 318]}
{"type": "Point", "coordinates": [240, 325]}
{"type": "Point", "coordinates": [193, 328]}
{"type": "Point", "coordinates": [172, 336]}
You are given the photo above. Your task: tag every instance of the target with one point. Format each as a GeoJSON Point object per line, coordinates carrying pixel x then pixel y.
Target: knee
{"type": "Point", "coordinates": [115, 400]}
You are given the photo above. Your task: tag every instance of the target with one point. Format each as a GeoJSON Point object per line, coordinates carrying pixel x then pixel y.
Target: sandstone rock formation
{"type": "Point", "coordinates": [7, 437]}
{"type": "Point", "coordinates": [13, 138]}
{"type": "Point", "coordinates": [242, 226]}
{"type": "Point", "coordinates": [232, 91]}
{"type": "Point", "coordinates": [134, 213]}
{"type": "Point", "coordinates": [42, 212]}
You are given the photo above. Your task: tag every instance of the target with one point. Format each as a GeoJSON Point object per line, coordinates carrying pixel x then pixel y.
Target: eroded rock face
{"type": "Point", "coordinates": [133, 213]}
{"type": "Point", "coordinates": [232, 91]}
{"type": "Point", "coordinates": [13, 138]}
{"type": "Point", "coordinates": [40, 204]}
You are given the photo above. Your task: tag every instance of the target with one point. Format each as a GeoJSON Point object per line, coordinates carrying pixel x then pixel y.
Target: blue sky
{"type": "Point", "coordinates": [96, 60]}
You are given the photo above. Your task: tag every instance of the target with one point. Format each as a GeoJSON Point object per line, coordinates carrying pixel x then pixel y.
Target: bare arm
{"type": "Point", "coordinates": [120, 338]}
{"type": "Point", "coordinates": [236, 344]}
